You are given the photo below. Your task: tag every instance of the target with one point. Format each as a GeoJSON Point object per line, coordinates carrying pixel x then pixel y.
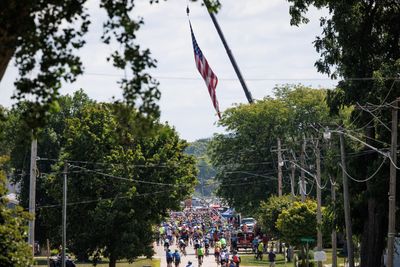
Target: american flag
{"type": "Point", "coordinates": [206, 72]}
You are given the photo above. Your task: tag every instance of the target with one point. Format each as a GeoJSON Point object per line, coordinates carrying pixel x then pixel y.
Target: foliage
{"type": "Point", "coordinates": [244, 157]}
{"type": "Point", "coordinates": [119, 163]}
{"type": "Point", "coordinates": [207, 185]}
{"type": "Point", "coordinates": [50, 141]}
{"type": "Point", "coordinates": [14, 251]}
{"type": "Point", "coordinates": [269, 212]}
{"type": "Point", "coordinates": [240, 156]}
{"type": "Point", "coordinates": [360, 45]}
{"type": "Point", "coordinates": [298, 221]}
{"type": "Point", "coordinates": [148, 171]}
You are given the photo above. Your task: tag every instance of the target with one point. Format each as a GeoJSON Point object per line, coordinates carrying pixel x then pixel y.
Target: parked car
{"type": "Point", "coordinates": [250, 222]}
{"type": "Point", "coordinates": [56, 261]}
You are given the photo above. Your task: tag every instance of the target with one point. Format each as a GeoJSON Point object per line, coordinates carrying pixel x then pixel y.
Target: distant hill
{"type": "Point", "coordinates": [206, 174]}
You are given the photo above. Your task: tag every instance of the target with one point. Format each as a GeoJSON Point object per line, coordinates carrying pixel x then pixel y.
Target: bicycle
{"type": "Point", "coordinates": [200, 258]}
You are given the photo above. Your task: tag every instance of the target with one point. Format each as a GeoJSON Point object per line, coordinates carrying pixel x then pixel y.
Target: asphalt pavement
{"type": "Point", "coordinates": [190, 256]}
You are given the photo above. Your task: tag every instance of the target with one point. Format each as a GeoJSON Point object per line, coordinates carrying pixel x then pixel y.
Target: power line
{"type": "Point", "coordinates": [102, 199]}
{"type": "Point", "coordinates": [249, 79]}
{"type": "Point", "coordinates": [373, 115]}
{"type": "Point", "coordinates": [126, 179]}
{"type": "Point", "coordinates": [367, 179]}
{"type": "Point", "coordinates": [309, 173]}
{"type": "Point", "coordinates": [368, 137]}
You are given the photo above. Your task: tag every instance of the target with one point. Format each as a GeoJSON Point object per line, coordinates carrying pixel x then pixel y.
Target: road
{"type": "Point", "coordinates": [208, 261]}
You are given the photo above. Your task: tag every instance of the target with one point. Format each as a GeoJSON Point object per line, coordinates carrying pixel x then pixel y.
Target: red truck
{"type": "Point", "coordinates": [244, 240]}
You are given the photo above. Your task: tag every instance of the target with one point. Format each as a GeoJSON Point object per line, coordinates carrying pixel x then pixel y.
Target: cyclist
{"type": "Point", "coordinates": [223, 242]}
{"type": "Point", "coordinates": [166, 244]}
{"type": "Point", "coordinates": [196, 245]}
{"type": "Point", "coordinates": [170, 258]}
{"type": "Point", "coordinates": [224, 257]}
{"type": "Point", "coordinates": [177, 258]}
{"type": "Point", "coordinates": [236, 258]}
{"type": "Point", "coordinates": [206, 246]}
{"type": "Point", "coordinates": [182, 246]}
{"type": "Point", "coordinates": [200, 255]}
{"type": "Point", "coordinates": [217, 251]}
{"type": "Point", "coordinates": [231, 264]}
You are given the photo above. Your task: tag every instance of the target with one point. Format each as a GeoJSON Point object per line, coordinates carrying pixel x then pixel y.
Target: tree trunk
{"type": "Point", "coordinates": [5, 56]}
{"type": "Point", "coordinates": [16, 22]}
{"type": "Point", "coordinates": [113, 261]}
{"type": "Point", "coordinates": [373, 235]}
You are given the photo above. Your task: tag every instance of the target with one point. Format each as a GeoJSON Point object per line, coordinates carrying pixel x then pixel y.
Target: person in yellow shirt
{"type": "Point", "coordinates": [260, 251]}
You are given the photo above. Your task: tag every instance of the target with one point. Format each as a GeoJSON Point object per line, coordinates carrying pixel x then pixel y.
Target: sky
{"type": "Point", "coordinates": [267, 49]}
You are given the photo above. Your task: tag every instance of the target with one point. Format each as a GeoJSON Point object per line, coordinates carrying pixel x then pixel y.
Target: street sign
{"type": "Point", "coordinates": [307, 239]}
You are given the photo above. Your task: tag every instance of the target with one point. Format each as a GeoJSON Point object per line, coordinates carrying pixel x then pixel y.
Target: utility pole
{"type": "Point", "coordinates": [347, 215]}
{"type": "Point", "coordinates": [327, 136]}
{"type": "Point", "coordinates": [392, 188]}
{"type": "Point", "coordinates": [302, 164]}
{"type": "Point", "coordinates": [32, 194]}
{"type": "Point", "coordinates": [293, 168]}
{"type": "Point", "coordinates": [64, 215]}
{"type": "Point", "coordinates": [334, 234]}
{"type": "Point", "coordinates": [280, 164]}
{"type": "Point", "coordinates": [319, 215]}
{"type": "Point", "coordinates": [229, 52]}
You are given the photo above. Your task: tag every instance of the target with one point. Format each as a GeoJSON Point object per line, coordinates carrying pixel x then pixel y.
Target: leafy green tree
{"type": "Point", "coordinates": [17, 142]}
{"type": "Point", "coordinates": [122, 181]}
{"type": "Point", "coordinates": [360, 45]}
{"type": "Point", "coordinates": [296, 222]}
{"type": "Point", "coordinates": [244, 157]}
{"type": "Point", "coordinates": [207, 184]}
{"type": "Point", "coordinates": [117, 141]}
{"type": "Point", "coordinates": [14, 250]}
{"type": "Point", "coordinates": [269, 212]}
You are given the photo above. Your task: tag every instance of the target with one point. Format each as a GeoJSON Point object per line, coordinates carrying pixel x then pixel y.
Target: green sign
{"type": "Point", "coordinates": [307, 239]}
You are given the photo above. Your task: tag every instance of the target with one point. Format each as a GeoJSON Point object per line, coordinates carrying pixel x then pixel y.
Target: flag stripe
{"type": "Point", "coordinates": [206, 72]}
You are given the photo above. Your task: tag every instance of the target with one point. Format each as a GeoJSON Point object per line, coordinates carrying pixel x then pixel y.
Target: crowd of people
{"type": "Point", "coordinates": [208, 234]}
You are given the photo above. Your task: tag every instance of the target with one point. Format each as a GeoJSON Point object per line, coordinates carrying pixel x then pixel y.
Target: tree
{"type": "Point", "coordinates": [116, 141]}
{"type": "Point", "coordinates": [207, 185]}
{"type": "Point", "coordinates": [244, 157]}
{"type": "Point", "coordinates": [297, 222]}
{"type": "Point", "coordinates": [45, 36]}
{"type": "Point", "coordinates": [16, 144]}
{"type": "Point", "coordinates": [14, 250]}
{"type": "Point", "coordinates": [360, 45]}
{"type": "Point", "coordinates": [269, 212]}
{"type": "Point", "coordinates": [125, 181]}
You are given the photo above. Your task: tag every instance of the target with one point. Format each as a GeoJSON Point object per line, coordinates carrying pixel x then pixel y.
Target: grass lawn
{"type": "Point", "coordinates": [248, 260]}
{"type": "Point", "coordinates": [42, 262]}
